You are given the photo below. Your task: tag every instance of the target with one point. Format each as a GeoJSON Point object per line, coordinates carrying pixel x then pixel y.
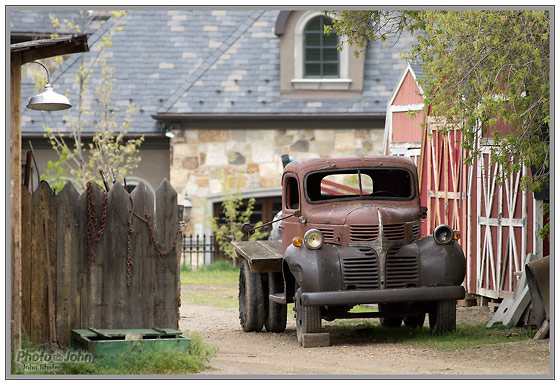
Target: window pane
{"type": "Point", "coordinates": [330, 40]}
{"type": "Point", "coordinates": [321, 57]}
{"type": "Point", "coordinates": [314, 24]}
{"type": "Point", "coordinates": [312, 39]}
{"type": "Point", "coordinates": [313, 54]}
{"type": "Point", "coordinates": [312, 69]}
{"type": "Point", "coordinates": [330, 54]}
{"type": "Point", "coordinates": [330, 69]}
{"type": "Point", "coordinates": [345, 185]}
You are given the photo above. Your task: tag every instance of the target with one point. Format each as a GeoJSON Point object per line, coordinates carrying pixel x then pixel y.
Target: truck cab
{"type": "Point", "coordinates": [351, 234]}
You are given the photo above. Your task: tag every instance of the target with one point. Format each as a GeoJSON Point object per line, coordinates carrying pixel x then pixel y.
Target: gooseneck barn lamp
{"type": "Point", "coordinates": [48, 100]}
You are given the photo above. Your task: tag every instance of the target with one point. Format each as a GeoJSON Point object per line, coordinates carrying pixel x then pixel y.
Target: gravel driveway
{"type": "Point", "coordinates": [280, 354]}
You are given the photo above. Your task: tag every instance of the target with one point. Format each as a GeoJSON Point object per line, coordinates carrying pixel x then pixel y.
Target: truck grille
{"type": "Point", "coordinates": [361, 270]}
{"type": "Point", "coordinates": [394, 232]}
{"type": "Point", "coordinates": [328, 234]}
{"type": "Point", "coordinates": [415, 230]}
{"type": "Point", "coordinates": [363, 233]}
{"type": "Point", "coordinates": [401, 271]}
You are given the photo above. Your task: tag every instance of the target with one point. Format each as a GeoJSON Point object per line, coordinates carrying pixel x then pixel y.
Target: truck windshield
{"type": "Point", "coordinates": [364, 183]}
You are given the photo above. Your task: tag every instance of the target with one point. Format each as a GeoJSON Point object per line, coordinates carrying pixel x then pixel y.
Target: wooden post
{"type": "Point", "coordinates": [15, 198]}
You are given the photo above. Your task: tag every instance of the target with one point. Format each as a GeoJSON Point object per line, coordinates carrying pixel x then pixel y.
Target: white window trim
{"type": "Point", "coordinates": [301, 83]}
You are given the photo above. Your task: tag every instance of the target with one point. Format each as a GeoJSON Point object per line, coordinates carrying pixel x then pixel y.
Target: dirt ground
{"type": "Point", "coordinates": [265, 353]}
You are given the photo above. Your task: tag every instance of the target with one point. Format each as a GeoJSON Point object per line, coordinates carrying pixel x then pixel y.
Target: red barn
{"type": "Point", "coordinates": [498, 222]}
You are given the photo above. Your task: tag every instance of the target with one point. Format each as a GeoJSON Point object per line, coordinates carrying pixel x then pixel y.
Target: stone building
{"type": "Point", "coordinates": [236, 89]}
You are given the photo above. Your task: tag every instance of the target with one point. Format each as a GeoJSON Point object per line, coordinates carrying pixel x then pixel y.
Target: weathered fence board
{"type": "Point", "coordinates": [96, 206]}
{"type": "Point", "coordinates": [168, 264]}
{"type": "Point", "coordinates": [115, 265]}
{"type": "Point", "coordinates": [86, 243]}
{"type": "Point", "coordinates": [43, 229]}
{"type": "Point", "coordinates": [144, 257]}
{"type": "Point", "coordinates": [69, 225]}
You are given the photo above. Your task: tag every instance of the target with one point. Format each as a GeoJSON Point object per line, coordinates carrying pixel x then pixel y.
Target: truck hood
{"type": "Point", "coordinates": [360, 213]}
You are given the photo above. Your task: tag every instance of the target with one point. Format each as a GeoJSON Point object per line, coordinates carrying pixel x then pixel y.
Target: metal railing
{"type": "Point", "coordinates": [197, 251]}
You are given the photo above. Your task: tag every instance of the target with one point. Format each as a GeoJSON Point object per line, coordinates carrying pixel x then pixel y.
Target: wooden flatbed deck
{"type": "Point", "coordinates": [263, 256]}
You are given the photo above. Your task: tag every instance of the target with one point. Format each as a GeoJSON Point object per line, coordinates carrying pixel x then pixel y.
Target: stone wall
{"type": "Point", "coordinates": [209, 162]}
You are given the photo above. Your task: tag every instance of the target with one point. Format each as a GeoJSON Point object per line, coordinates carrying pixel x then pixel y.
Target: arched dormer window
{"type": "Point", "coordinates": [310, 61]}
{"type": "Point", "coordinates": [321, 59]}
{"type": "Point", "coordinates": [318, 64]}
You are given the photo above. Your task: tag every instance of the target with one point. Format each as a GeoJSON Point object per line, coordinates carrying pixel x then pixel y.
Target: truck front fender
{"type": "Point", "coordinates": [314, 270]}
{"type": "Point", "coordinates": [440, 265]}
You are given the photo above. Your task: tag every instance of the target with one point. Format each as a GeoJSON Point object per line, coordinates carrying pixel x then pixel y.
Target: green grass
{"type": "Point", "coordinates": [465, 336]}
{"type": "Point", "coordinates": [218, 273]}
{"type": "Point", "coordinates": [217, 300]}
{"type": "Point", "coordinates": [139, 362]}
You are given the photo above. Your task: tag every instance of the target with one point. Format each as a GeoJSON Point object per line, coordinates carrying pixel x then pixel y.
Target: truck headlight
{"type": "Point", "coordinates": [313, 239]}
{"type": "Point", "coordinates": [443, 235]}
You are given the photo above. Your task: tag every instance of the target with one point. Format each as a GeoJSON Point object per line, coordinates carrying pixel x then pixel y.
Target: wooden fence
{"type": "Point", "coordinates": [99, 260]}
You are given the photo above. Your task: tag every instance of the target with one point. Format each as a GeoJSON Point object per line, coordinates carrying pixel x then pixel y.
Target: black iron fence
{"type": "Point", "coordinates": [199, 250]}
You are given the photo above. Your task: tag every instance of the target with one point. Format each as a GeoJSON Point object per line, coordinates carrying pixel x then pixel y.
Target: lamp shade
{"type": "Point", "coordinates": [48, 100]}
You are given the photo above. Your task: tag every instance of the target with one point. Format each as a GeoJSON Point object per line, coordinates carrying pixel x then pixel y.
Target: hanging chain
{"type": "Point", "coordinates": [92, 238]}
{"type": "Point", "coordinates": [128, 252]}
{"type": "Point", "coordinates": [147, 221]}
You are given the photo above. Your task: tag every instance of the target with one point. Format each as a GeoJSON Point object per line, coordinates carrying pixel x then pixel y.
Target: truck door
{"type": "Point", "coordinates": [291, 202]}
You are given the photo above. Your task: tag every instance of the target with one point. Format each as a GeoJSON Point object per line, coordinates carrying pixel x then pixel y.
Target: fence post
{"type": "Point", "coordinates": [197, 249]}
{"type": "Point", "coordinates": [212, 252]}
{"type": "Point", "coordinates": [26, 241]}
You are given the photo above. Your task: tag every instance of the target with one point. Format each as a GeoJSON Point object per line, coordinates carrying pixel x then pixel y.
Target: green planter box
{"type": "Point", "coordinates": [112, 344]}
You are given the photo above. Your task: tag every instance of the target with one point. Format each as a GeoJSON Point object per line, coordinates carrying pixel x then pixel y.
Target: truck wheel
{"type": "Point", "coordinates": [308, 318]}
{"type": "Point", "coordinates": [443, 317]}
{"type": "Point", "coordinates": [414, 321]}
{"type": "Point", "coordinates": [251, 299]}
{"type": "Point", "coordinates": [277, 312]}
{"type": "Point", "coordinates": [389, 322]}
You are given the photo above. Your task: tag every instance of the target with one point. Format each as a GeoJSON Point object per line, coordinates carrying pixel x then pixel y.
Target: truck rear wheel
{"type": "Point", "coordinates": [308, 318]}
{"type": "Point", "coordinates": [277, 313]}
{"type": "Point", "coordinates": [443, 317]}
{"type": "Point", "coordinates": [251, 299]}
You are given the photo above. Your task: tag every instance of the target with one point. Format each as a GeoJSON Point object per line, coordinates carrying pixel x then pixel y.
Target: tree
{"type": "Point", "coordinates": [235, 216]}
{"type": "Point", "coordinates": [109, 149]}
{"type": "Point", "coordinates": [482, 68]}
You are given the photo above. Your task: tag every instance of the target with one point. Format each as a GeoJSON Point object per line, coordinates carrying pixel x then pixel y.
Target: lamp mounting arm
{"type": "Point", "coordinates": [46, 69]}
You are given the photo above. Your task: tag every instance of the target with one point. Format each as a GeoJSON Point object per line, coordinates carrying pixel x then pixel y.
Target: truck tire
{"type": "Point", "coordinates": [443, 317]}
{"type": "Point", "coordinates": [251, 299]}
{"type": "Point", "coordinates": [414, 321]}
{"type": "Point", "coordinates": [308, 318]}
{"type": "Point", "coordinates": [277, 313]}
{"type": "Point", "coordinates": [388, 322]}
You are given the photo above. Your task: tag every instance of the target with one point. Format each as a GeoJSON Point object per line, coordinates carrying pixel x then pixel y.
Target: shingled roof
{"type": "Point", "coordinates": [224, 62]}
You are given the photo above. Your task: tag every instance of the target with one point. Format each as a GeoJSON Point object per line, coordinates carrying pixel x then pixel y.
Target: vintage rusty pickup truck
{"type": "Point", "coordinates": [351, 234]}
